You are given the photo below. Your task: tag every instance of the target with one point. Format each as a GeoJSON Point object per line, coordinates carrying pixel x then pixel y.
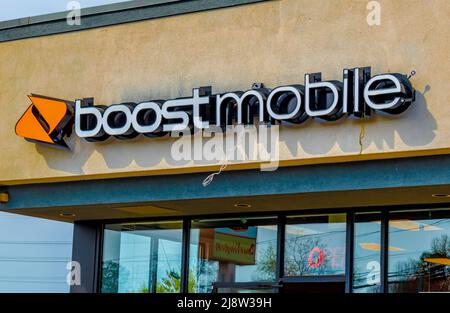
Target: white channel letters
{"type": "Point", "coordinates": [357, 95]}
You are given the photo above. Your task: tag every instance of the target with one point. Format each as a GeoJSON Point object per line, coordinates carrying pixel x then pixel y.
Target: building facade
{"type": "Point", "coordinates": [352, 194]}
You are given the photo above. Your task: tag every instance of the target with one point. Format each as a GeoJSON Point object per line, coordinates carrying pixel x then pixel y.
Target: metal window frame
{"type": "Point", "coordinates": [315, 279]}
{"type": "Point", "coordinates": [246, 285]}
{"type": "Point", "coordinates": [89, 256]}
{"type": "Point", "coordinates": [349, 251]}
{"type": "Point", "coordinates": [107, 15]}
{"type": "Point", "coordinates": [384, 251]}
{"type": "Point", "coordinates": [347, 278]}
{"type": "Point", "coordinates": [281, 236]}
{"type": "Point", "coordinates": [184, 286]}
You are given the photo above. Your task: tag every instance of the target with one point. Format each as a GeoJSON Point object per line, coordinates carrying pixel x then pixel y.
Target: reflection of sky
{"type": "Point", "coordinates": [414, 243]}
{"type": "Point", "coordinates": [134, 253]}
{"type": "Point", "coordinates": [411, 237]}
{"type": "Point", "coordinates": [13, 9]}
{"type": "Point", "coordinates": [330, 236]}
{"type": "Point", "coordinates": [266, 237]}
{"type": "Point", "coordinates": [33, 254]}
{"type": "Point", "coordinates": [170, 254]}
{"type": "Point", "coordinates": [368, 232]}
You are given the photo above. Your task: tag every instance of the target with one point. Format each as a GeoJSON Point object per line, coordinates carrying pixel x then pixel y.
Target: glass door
{"type": "Point", "coordinates": [314, 254]}
{"type": "Point", "coordinates": [233, 255]}
{"type": "Point", "coordinates": [142, 257]}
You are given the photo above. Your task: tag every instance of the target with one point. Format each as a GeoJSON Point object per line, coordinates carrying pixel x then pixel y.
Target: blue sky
{"type": "Point", "coordinates": [12, 9]}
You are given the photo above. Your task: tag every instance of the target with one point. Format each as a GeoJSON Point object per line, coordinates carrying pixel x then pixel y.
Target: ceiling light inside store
{"type": "Point", "coordinates": [66, 214]}
{"type": "Point", "coordinates": [242, 205]}
{"type": "Point", "coordinates": [440, 195]}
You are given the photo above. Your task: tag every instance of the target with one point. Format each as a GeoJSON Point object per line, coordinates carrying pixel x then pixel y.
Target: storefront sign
{"type": "Point", "coordinates": [46, 121]}
{"type": "Point", "coordinates": [358, 95]}
{"type": "Point", "coordinates": [237, 246]}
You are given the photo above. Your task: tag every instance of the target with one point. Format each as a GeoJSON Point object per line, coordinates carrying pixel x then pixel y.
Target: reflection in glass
{"type": "Point", "coordinates": [142, 257]}
{"type": "Point", "coordinates": [231, 250]}
{"type": "Point", "coordinates": [367, 253]}
{"type": "Point", "coordinates": [421, 260]}
{"type": "Point", "coordinates": [315, 245]}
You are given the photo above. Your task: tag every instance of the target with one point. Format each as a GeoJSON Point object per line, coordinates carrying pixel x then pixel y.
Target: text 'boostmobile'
{"type": "Point", "coordinates": [357, 95]}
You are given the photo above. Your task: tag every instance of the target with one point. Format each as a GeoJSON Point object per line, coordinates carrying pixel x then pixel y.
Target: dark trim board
{"type": "Point", "coordinates": [108, 15]}
{"type": "Point", "coordinates": [349, 255]}
{"type": "Point", "coordinates": [353, 176]}
{"type": "Point", "coordinates": [86, 250]}
{"type": "Point", "coordinates": [384, 255]}
{"type": "Point", "coordinates": [98, 9]}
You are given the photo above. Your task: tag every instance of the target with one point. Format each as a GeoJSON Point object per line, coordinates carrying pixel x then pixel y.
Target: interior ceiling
{"type": "Point", "coordinates": [287, 202]}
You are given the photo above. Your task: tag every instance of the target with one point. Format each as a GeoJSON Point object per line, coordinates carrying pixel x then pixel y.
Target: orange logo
{"type": "Point", "coordinates": [47, 121]}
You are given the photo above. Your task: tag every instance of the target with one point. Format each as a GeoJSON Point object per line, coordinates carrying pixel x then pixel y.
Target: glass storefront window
{"type": "Point", "coordinates": [315, 245]}
{"type": "Point", "coordinates": [367, 253]}
{"type": "Point", "coordinates": [240, 254]}
{"type": "Point", "coordinates": [231, 251]}
{"type": "Point", "coordinates": [142, 257]}
{"type": "Point", "coordinates": [419, 251]}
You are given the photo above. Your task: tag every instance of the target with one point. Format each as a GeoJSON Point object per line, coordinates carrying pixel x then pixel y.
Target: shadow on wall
{"type": "Point", "coordinates": [415, 127]}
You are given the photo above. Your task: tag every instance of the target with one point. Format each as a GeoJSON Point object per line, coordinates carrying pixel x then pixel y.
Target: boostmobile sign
{"type": "Point", "coordinates": [49, 120]}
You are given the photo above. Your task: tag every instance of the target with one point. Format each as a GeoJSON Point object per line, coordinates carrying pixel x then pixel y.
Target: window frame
{"type": "Point", "coordinates": [281, 223]}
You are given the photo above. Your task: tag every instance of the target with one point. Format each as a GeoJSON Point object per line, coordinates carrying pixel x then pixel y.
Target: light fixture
{"type": "Point", "coordinates": [410, 225]}
{"type": "Point", "coordinates": [440, 195]}
{"type": "Point", "coordinates": [4, 197]}
{"type": "Point", "coordinates": [66, 214]}
{"type": "Point", "coordinates": [242, 205]}
{"type": "Point", "coordinates": [372, 246]}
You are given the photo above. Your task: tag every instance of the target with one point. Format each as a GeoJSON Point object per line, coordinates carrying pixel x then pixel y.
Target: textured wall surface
{"type": "Point", "coordinates": [275, 42]}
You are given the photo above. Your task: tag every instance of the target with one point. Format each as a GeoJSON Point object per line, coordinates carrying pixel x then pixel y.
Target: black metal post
{"type": "Point", "coordinates": [86, 250]}
{"type": "Point", "coordinates": [349, 251]}
{"type": "Point", "coordinates": [153, 264]}
{"type": "Point", "coordinates": [184, 286]}
{"type": "Point", "coordinates": [281, 235]}
{"type": "Point", "coordinates": [384, 251]}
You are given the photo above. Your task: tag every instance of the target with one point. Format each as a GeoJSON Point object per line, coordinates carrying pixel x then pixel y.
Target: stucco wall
{"type": "Point", "coordinates": [274, 42]}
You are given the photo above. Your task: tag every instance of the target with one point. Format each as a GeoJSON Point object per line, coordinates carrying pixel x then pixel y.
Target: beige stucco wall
{"type": "Point", "coordinates": [275, 42]}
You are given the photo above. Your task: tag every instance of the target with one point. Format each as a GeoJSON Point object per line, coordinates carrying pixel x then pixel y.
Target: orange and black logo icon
{"type": "Point", "coordinates": [47, 120]}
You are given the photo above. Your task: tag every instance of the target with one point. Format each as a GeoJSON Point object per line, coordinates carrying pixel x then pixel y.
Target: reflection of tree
{"type": "Point", "coordinates": [171, 283]}
{"type": "Point", "coordinates": [268, 264]}
{"type": "Point", "coordinates": [110, 276]}
{"type": "Point", "coordinates": [419, 275]}
{"type": "Point", "coordinates": [205, 274]}
{"type": "Point", "coordinates": [298, 250]}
